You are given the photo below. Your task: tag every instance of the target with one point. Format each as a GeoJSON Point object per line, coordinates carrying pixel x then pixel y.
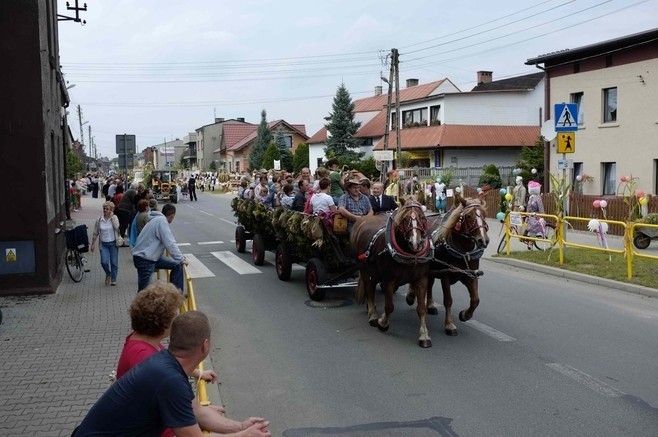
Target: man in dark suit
{"type": "Point", "coordinates": [191, 188]}
{"type": "Point", "coordinates": [381, 202]}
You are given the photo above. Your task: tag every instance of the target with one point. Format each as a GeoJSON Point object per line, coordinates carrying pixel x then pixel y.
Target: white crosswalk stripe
{"type": "Point", "coordinates": [233, 261]}
{"type": "Point", "coordinates": [202, 243]}
{"type": "Point", "coordinates": [196, 269]}
{"type": "Point", "coordinates": [270, 259]}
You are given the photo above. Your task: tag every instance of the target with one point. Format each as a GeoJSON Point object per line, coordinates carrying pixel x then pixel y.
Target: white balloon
{"type": "Point", "coordinates": [604, 203]}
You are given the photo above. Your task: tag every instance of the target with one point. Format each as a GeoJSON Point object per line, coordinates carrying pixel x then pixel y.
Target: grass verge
{"type": "Point", "coordinates": [591, 262]}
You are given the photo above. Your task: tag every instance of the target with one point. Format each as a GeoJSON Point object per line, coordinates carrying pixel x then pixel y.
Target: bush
{"type": "Point", "coordinates": [493, 180]}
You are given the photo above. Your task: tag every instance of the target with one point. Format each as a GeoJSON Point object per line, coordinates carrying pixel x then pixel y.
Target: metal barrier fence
{"type": "Point", "coordinates": [627, 230]}
{"type": "Point", "coordinates": [190, 305]}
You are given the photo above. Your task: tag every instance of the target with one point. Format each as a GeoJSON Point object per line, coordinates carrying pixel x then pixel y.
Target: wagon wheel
{"type": "Point", "coordinates": [641, 241]}
{"type": "Point", "coordinates": [316, 275]}
{"type": "Point", "coordinates": [240, 239]}
{"type": "Point", "coordinates": [283, 262]}
{"type": "Point", "coordinates": [258, 249]}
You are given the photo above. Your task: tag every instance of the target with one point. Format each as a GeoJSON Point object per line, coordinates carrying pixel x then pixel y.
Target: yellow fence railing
{"type": "Point", "coordinates": [190, 305]}
{"type": "Point", "coordinates": [627, 230]}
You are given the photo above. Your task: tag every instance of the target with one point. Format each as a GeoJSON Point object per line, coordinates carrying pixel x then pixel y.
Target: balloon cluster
{"type": "Point", "coordinates": [517, 171]}
{"type": "Point", "coordinates": [600, 204]}
{"type": "Point", "coordinates": [582, 177]}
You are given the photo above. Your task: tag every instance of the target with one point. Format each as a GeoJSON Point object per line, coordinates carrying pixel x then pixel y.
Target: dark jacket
{"type": "Point", "coordinates": [387, 204]}
{"type": "Point", "coordinates": [299, 202]}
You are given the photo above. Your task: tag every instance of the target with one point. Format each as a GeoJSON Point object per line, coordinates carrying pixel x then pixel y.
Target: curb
{"type": "Point", "coordinates": [575, 276]}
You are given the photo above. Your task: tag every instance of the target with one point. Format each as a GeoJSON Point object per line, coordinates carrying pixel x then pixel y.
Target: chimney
{"type": "Point", "coordinates": [240, 119]}
{"type": "Point", "coordinates": [219, 120]}
{"type": "Point", "coordinates": [485, 77]}
{"type": "Point", "coordinates": [378, 90]}
{"type": "Point", "coordinates": [412, 82]}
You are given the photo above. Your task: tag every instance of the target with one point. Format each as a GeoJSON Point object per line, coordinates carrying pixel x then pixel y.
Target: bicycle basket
{"type": "Point", "coordinates": [77, 238]}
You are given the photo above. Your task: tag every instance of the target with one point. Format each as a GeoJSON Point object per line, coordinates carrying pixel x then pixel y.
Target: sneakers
{"type": "Point", "coordinates": [107, 280]}
{"type": "Point", "coordinates": [113, 283]}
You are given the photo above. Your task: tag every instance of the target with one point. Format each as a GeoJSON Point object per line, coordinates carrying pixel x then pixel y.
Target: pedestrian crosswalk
{"type": "Point", "coordinates": [197, 267]}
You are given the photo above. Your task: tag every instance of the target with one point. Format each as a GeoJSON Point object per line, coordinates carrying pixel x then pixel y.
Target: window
{"type": "Point", "coordinates": [577, 170]}
{"type": "Point", "coordinates": [609, 105]}
{"type": "Point", "coordinates": [415, 117]}
{"type": "Point", "coordinates": [609, 177]}
{"type": "Point", "coordinates": [366, 142]}
{"type": "Point", "coordinates": [237, 166]}
{"type": "Point", "coordinates": [288, 139]}
{"type": "Point", "coordinates": [394, 120]}
{"type": "Point", "coordinates": [578, 99]}
{"type": "Point", "coordinates": [434, 115]}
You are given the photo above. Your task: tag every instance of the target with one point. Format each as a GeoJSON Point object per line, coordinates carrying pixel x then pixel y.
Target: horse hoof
{"type": "Point", "coordinates": [382, 328]}
{"type": "Point", "coordinates": [432, 311]}
{"type": "Point", "coordinates": [451, 332]}
{"type": "Point", "coordinates": [373, 322]}
{"type": "Point", "coordinates": [410, 300]}
{"type": "Point", "coordinates": [425, 343]}
{"type": "Point", "coordinates": [462, 316]}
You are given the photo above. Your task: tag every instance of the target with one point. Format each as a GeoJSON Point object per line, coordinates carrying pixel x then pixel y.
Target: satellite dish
{"type": "Point", "coordinates": [548, 130]}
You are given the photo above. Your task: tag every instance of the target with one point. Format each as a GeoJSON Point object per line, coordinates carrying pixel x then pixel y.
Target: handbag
{"type": "Point", "coordinates": [119, 241]}
{"type": "Point", "coordinates": [340, 224]}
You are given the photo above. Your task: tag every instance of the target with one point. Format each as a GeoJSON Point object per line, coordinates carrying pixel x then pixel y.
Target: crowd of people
{"type": "Point", "coordinates": [331, 190]}
{"type": "Point", "coordinates": [152, 394]}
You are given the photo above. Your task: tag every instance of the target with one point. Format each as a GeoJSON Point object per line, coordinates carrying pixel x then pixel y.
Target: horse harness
{"type": "Point", "coordinates": [392, 248]}
{"type": "Point", "coordinates": [445, 244]}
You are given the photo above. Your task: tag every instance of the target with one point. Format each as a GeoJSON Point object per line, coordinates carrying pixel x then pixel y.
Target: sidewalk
{"type": "Point", "coordinates": [57, 350]}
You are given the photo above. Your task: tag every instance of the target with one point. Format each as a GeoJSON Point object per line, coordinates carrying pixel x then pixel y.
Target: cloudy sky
{"type": "Point", "coordinates": [162, 68]}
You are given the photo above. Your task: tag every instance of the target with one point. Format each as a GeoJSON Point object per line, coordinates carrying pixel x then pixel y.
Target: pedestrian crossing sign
{"type": "Point", "coordinates": [566, 142]}
{"type": "Point", "coordinates": [566, 117]}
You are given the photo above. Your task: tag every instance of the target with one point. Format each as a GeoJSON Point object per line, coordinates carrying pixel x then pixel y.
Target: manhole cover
{"type": "Point", "coordinates": [329, 303]}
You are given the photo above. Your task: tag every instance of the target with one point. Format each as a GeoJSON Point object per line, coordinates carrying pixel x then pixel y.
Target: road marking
{"type": "Point", "coordinates": [183, 244]}
{"type": "Point", "coordinates": [586, 380]}
{"type": "Point", "coordinates": [196, 269]}
{"type": "Point", "coordinates": [491, 332]}
{"type": "Point", "coordinates": [201, 243]}
{"type": "Point", "coordinates": [206, 213]}
{"type": "Point", "coordinates": [227, 221]}
{"type": "Point", "coordinates": [270, 258]}
{"type": "Point", "coordinates": [233, 261]}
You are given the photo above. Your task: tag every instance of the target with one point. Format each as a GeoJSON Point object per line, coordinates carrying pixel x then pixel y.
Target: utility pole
{"type": "Point", "coordinates": [398, 117]}
{"type": "Point", "coordinates": [91, 153]}
{"type": "Point", "coordinates": [82, 138]}
{"type": "Point", "coordinates": [388, 115]}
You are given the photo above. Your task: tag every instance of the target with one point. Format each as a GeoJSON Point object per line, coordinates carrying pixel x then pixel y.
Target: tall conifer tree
{"type": "Point", "coordinates": [342, 127]}
{"type": "Point", "coordinates": [263, 140]}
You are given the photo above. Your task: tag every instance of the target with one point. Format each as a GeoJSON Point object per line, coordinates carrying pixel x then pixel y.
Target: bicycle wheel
{"type": "Point", "coordinates": [549, 235]}
{"type": "Point", "coordinates": [74, 265]}
{"type": "Point", "coordinates": [502, 245]}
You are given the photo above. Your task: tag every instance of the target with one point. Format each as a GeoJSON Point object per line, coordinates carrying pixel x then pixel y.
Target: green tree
{"type": "Point", "coordinates": [532, 157]}
{"type": "Point", "coordinates": [271, 154]}
{"type": "Point", "coordinates": [491, 176]}
{"type": "Point", "coordinates": [182, 162]}
{"type": "Point", "coordinates": [212, 166]}
{"type": "Point", "coordinates": [263, 140]}
{"type": "Point", "coordinates": [368, 168]}
{"type": "Point", "coordinates": [285, 155]}
{"type": "Point", "coordinates": [301, 157]}
{"type": "Point", "coordinates": [73, 164]}
{"type": "Point", "coordinates": [342, 128]}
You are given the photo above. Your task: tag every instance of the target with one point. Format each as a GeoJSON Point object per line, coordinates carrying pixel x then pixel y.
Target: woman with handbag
{"type": "Point", "coordinates": [107, 230]}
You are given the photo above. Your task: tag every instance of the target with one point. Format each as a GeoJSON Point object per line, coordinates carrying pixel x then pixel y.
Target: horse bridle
{"type": "Point", "coordinates": [466, 230]}
{"type": "Point", "coordinates": [417, 223]}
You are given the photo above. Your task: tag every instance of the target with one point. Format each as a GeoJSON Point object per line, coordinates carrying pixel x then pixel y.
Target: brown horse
{"type": "Point", "coordinates": [393, 250]}
{"type": "Point", "coordinates": [459, 239]}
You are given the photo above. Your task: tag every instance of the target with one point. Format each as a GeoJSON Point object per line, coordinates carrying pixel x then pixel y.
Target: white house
{"type": "Point", "coordinates": [614, 86]}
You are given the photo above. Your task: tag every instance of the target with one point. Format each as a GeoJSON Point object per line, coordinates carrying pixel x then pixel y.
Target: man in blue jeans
{"type": "Point", "coordinates": [149, 250]}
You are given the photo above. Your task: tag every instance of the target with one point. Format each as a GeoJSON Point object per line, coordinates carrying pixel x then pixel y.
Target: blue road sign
{"type": "Point", "coordinates": [566, 117]}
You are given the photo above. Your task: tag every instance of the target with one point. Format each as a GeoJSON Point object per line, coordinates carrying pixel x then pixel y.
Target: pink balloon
{"type": "Point", "coordinates": [639, 194]}
{"type": "Point", "coordinates": [623, 179]}
{"type": "Point", "coordinates": [596, 204]}
{"type": "Point", "coordinates": [603, 203]}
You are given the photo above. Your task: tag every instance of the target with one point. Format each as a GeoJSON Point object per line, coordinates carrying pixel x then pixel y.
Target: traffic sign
{"type": "Point", "coordinates": [126, 144]}
{"type": "Point", "coordinates": [566, 117]}
{"type": "Point", "coordinates": [564, 164]}
{"type": "Point", "coordinates": [566, 142]}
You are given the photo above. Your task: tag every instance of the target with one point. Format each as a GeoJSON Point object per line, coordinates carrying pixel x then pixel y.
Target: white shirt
{"type": "Point", "coordinates": [106, 230]}
{"type": "Point", "coordinates": [321, 202]}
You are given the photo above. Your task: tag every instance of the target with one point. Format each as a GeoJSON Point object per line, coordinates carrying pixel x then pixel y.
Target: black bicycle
{"type": "Point", "coordinates": [77, 243]}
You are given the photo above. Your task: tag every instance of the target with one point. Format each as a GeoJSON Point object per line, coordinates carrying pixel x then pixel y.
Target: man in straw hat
{"type": "Point", "coordinates": [353, 204]}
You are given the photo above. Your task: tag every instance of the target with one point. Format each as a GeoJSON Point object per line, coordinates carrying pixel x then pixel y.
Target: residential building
{"type": "Point", "coordinates": [209, 139]}
{"type": "Point", "coordinates": [443, 126]}
{"type": "Point", "coordinates": [190, 154]}
{"type": "Point", "coordinates": [168, 154]}
{"type": "Point", "coordinates": [612, 83]}
{"type": "Point", "coordinates": [237, 140]}
{"type": "Point", "coordinates": [34, 144]}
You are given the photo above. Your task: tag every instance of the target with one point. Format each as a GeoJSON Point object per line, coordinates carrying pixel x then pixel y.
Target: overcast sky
{"type": "Point", "coordinates": [162, 68]}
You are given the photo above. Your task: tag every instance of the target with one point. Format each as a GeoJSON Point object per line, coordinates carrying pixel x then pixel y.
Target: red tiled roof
{"type": "Point", "coordinates": [376, 127]}
{"type": "Point", "coordinates": [318, 137]}
{"type": "Point", "coordinates": [376, 103]}
{"type": "Point", "coordinates": [456, 135]}
{"type": "Point", "coordinates": [233, 133]}
{"type": "Point", "coordinates": [251, 136]}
